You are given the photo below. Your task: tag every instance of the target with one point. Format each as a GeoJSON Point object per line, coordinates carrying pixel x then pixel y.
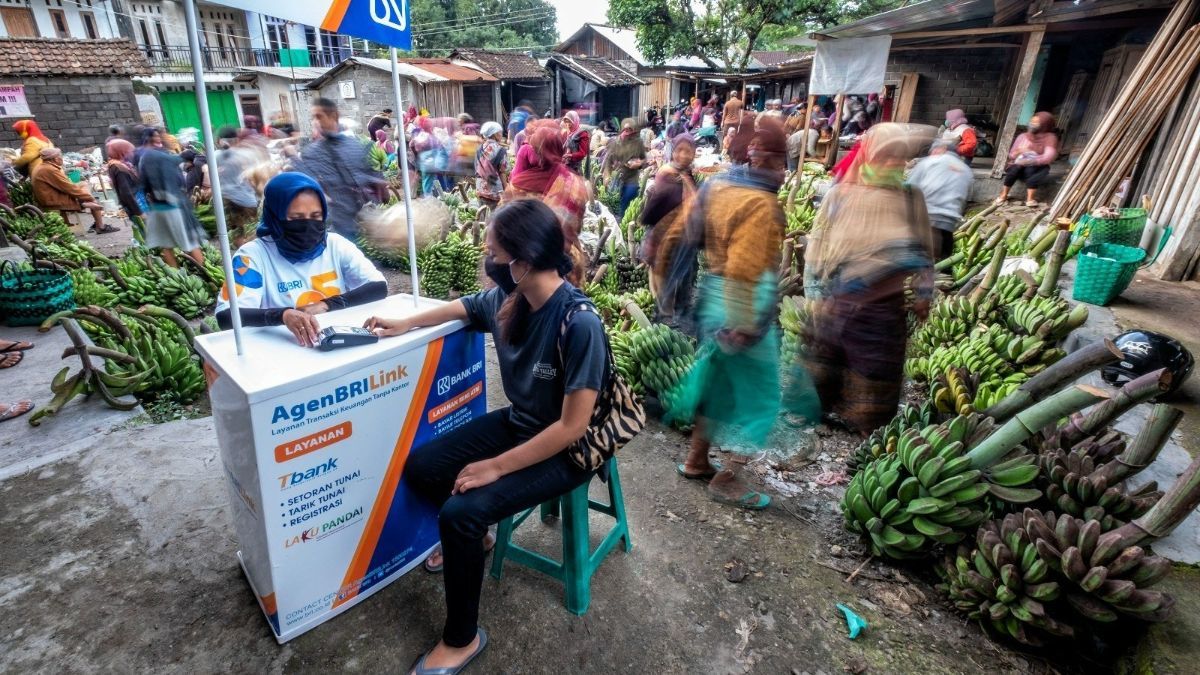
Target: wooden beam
{"type": "Point", "coordinates": [1029, 57]}
{"type": "Point", "coordinates": [1059, 26]}
{"type": "Point", "coordinates": [959, 45]}
{"type": "Point", "coordinates": [1065, 11]}
{"type": "Point", "coordinates": [966, 32]}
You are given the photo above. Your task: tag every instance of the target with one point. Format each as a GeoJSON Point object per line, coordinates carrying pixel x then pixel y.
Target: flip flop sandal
{"type": "Point", "coordinates": [997, 201]}
{"type": "Point", "coordinates": [434, 569]}
{"type": "Point", "coordinates": [1032, 204]}
{"type": "Point", "coordinates": [15, 410]}
{"type": "Point", "coordinates": [10, 359]}
{"type": "Point", "coordinates": [10, 346]}
{"type": "Point", "coordinates": [704, 475]}
{"type": "Point", "coordinates": [418, 666]}
{"type": "Point", "coordinates": [751, 501]}
{"type": "Point", "coordinates": [105, 230]}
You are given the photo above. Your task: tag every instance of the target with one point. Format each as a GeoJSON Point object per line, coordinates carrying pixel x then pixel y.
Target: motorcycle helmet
{"type": "Point", "coordinates": [1146, 352]}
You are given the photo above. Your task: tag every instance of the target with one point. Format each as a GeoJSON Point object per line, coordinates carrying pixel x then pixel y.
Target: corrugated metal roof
{"type": "Point", "coordinates": [299, 74]}
{"type": "Point", "coordinates": [920, 16]}
{"type": "Point", "coordinates": [422, 71]}
{"type": "Point", "coordinates": [603, 72]}
{"type": "Point", "coordinates": [446, 70]}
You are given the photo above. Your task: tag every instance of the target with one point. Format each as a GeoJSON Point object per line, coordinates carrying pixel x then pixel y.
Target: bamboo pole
{"type": "Point", "coordinates": [1184, 157]}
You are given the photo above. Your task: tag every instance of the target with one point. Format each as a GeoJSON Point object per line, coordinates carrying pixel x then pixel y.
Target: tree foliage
{"type": "Point", "coordinates": [440, 26]}
{"type": "Point", "coordinates": [722, 33]}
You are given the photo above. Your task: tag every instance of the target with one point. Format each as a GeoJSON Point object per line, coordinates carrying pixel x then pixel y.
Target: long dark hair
{"type": "Point", "coordinates": [530, 232]}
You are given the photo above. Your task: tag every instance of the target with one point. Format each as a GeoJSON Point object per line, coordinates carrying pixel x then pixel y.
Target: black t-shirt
{"type": "Point", "coordinates": [535, 378]}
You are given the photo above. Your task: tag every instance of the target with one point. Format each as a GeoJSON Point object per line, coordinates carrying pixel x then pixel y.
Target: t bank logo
{"type": "Point", "coordinates": [390, 13]}
{"type": "Point", "coordinates": [290, 480]}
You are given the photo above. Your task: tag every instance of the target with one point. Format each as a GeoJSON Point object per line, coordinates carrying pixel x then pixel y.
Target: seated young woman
{"type": "Point", "coordinates": [296, 268]}
{"type": "Point", "coordinates": [513, 458]}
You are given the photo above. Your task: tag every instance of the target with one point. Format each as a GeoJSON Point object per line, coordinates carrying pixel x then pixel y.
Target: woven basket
{"type": "Point", "coordinates": [29, 297]}
{"type": "Point", "coordinates": [1125, 230]}
{"type": "Point", "coordinates": [1103, 271]}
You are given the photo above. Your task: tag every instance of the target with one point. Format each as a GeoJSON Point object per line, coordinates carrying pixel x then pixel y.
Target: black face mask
{"type": "Point", "coordinates": [303, 235]}
{"type": "Point", "coordinates": [501, 273]}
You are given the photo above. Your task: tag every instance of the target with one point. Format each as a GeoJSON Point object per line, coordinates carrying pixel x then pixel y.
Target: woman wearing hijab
{"type": "Point", "coordinates": [170, 222]}
{"type": "Point", "coordinates": [125, 179]}
{"type": "Point", "coordinates": [296, 268]}
{"type": "Point", "coordinates": [695, 113]}
{"type": "Point", "coordinates": [872, 237]}
{"type": "Point", "coordinates": [858, 124]}
{"type": "Point", "coordinates": [385, 144]}
{"type": "Point", "coordinates": [491, 163]}
{"type": "Point", "coordinates": [1030, 158]}
{"type": "Point", "coordinates": [962, 135]}
{"type": "Point", "coordinates": [33, 141]}
{"type": "Point", "coordinates": [623, 162]}
{"type": "Point", "coordinates": [431, 156]}
{"type": "Point", "coordinates": [733, 392]}
{"type": "Point", "coordinates": [53, 190]}
{"type": "Point", "coordinates": [577, 141]}
{"type": "Point", "coordinates": [545, 177]}
{"type": "Point", "coordinates": [194, 170]}
{"type": "Point", "coordinates": [667, 203]}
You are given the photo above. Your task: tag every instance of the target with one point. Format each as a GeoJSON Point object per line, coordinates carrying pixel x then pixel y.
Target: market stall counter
{"type": "Point", "coordinates": [314, 444]}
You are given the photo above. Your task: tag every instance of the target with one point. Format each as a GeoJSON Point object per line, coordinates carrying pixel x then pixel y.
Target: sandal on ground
{"type": "Point", "coordinates": [1033, 203]}
{"type": "Point", "coordinates": [681, 469]}
{"type": "Point", "coordinates": [434, 569]}
{"type": "Point", "coordinates": [999, 201]}
{"type": "Point", "coordinates": [751, 501]}
{"type": "Point", "coordinates": [10, 359]}
{"type": "Point", "coordinates": [10, 346]}
{"type": "Point", "coordinates": [11, 410]}
{"type": "Point", "coordinates": [103, 230]}
{"type": "Point", "coordinates": [418, 667]}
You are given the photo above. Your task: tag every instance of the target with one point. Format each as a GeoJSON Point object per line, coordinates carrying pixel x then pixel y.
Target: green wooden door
{"type": "Point", "coordinates": [179, 110]}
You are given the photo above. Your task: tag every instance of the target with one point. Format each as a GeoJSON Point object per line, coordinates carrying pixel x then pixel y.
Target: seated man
{"type": "Point", "coordinates": [296, 268]}
{"type": "Point", "coordinates": [54, 191]}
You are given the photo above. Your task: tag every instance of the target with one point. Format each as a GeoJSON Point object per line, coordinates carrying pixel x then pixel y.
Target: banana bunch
{"type": "Point", "coordinates": [1010, 288]}
{"type": "Point", "coordinates": [795, 314]}
{"type": "Point", "coordinates": [883, 441]}
{"type": "Point", "coordinates": [634, 211]}
{"type": "Point", "coordinates": [162, 356]}
{"type": "Point", "coordinates": [1104, 575]}
{"type": "Point", "coordinates": [664, 356]}
{"type": "Point", "coordinates": [925, 493]}
{"type": "Point", "coordinates": [131, 265]}
{"type": "Point", "coordinates": [435, 264]}
{"type": "Point", "coordinates": [70, 253]}
{"type": "Point", "coordinates": [467, 258]}
{"type": "Point", "coordinates": [643, 298]}
{"type": "Point", "coordinates": [1004, 584]}
{"type": "Point", "coordinates": [187, 294]}
{"type": "Point", "coordinates": [21, 193]}
{"type": "Point", "coordinates": [89, 290]}
{"type": "Point", "coordinates": [950, 320]}
{"type": "Point", "coordinates": [213, 266]}
{"type": "Point", "coordinates": [607, 304]}
{"type": "Point", "coordinates": [979, 355]}
{"type": "Point", "coordinates": [1048, 318]}
{"type": "Point", "coordinates": [801, 216]}
{"type": "Point", "coordinates": [51, 227]}
{"type": "Point", "coordinates": [390, 258]}
{"type": "Point", "coordinates": [142, 290]}
{"type": "Point", "coordinates": [1073, 486]}
{"type": "Point", "coordinates": [991, 392]}
{"type": "Point", "coordinates": [623, 357]}
{"type": "Point", "coordinates": [625, 276]}
{"type": "Point", "coordinates": [957, 390]}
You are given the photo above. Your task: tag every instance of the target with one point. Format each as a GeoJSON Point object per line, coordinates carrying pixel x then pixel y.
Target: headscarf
{"type": "Point", "coordinates": [1045, 121]}
{"type": "Point", "coordinates": [120, 153]}
{"type": "Point", "coordinates": [147, 135]}
{"type": "Point", "coordinates": [572, 118]}
{"type": "Point", "coordinates": [491, 129]}
{"type": "Point", "coordinates": [628, 128]}
{"type": "Point", "coordinates": [27, 128]}
{"type": "Point", "coordinates": [50, 154]}
{"type": "Point", "coordinates": [543, 161]}
{"type": "Point", "coordinates": [193, 177]}
{"type": "Point", "coordinates": [887, 142]}
{"type": "Point", "coordinates": [955, 118]}
{"type": "Point", "coordinates": [410, 114]}
{"type": "Point", "coordinates": [277, 197]}
{"type": "Point", "coordinates": [743, 133]}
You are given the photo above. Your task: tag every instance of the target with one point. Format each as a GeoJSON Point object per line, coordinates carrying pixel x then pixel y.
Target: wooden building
{"type": "Point", "coordinates": [363, 86]}
{"type": "Point", "coordinates": [597, 88]}
{"type": "Point", "coordinates": [521, 78]}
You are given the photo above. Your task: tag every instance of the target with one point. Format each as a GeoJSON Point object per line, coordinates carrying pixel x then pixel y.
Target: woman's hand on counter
{"type": "Point", "coordinates": [315, 308]}
{"type": "Point", "coordinates": [303, 325]}
{"type": "Point", "coordinates": [388, 327]}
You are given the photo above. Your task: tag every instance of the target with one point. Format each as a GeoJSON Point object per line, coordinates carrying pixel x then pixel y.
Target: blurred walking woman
{"type": "Point", "coordinates": [664, 216]}
{"type": "Point", "coordinates": [170, 222]}
{"type": "Point", "coordinates": [513, 458]}
{"type": "Point", "coordinates": [872, 235]}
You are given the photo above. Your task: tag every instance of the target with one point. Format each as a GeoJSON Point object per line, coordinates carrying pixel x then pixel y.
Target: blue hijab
{"type": "Point", "coordinates": [277, 197]}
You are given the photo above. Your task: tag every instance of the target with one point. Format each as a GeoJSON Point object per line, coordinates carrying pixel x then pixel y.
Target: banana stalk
{"type": "Point", "coordinates": [1135, 391]}
{"type": "Point", "coordinates": [1068, 369]}
{"type": "Point", "coordinates": [636, 312]}
{"type": "Point", "coordinates": [1029, 421]}
{"type": "Point", "coordinates": [993, 273]}
{"type": "Point", "coordinates": [1054, 264]}
{"type": "Point", "coordinates": [1044, 244]}
{"type": "Point", "coordinates": [1145, 447]}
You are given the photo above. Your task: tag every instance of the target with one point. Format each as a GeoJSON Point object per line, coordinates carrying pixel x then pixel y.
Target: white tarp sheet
{"type": "Point", "coordinates": [850, 66]}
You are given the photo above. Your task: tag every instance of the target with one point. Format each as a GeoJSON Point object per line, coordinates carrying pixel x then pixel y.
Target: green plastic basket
{"type": "Point", "coordinates": [1103, 272]}
{"type": "Point", "coordinates": [1125, 230]}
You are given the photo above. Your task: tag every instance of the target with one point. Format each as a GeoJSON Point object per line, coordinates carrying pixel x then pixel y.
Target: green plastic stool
{"type": "Point", "coordinates": [579, 563]}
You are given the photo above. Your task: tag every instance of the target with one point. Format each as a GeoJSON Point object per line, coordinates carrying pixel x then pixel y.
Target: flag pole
{"type": "Point", "coordinates": [402, 151]}
{"type": "Point", "coordinates": [189, 12]}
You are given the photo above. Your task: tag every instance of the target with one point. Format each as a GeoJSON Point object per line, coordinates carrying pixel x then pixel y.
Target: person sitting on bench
{"type": "Point", "coordinates": [54, 191]}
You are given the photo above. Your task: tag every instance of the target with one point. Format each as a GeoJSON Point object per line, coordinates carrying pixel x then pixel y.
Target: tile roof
{"type": "Point", "coordinates": [504, 65]}
{"type": "Point", "coordinates": [775, 58]}
{"type": "Point", "coordinates": [603, 72]}
{"type": "Point", "coordinates": [450, 71]}
{"type": "Point", "coordinates": [422, 71]}
{"type": "Point", "coordinates": [45, 56]}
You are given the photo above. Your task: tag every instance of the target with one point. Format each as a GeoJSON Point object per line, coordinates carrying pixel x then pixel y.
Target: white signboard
{"type": "Point", "coordinates": [12, 101]}
{"type": "Point", "coordinates": [850, 66]}
{"type": "Point", "coordinates": [347, 88]}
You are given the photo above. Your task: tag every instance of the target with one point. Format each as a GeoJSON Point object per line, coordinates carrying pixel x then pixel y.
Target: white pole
{"type": "Point", "coordinates": [402, 150]}
{"type": "Point", "coordinates": [189, 15]}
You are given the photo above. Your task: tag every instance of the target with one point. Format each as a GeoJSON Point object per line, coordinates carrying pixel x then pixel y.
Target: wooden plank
{"type": "Point", "coordinates": [831, 152]}
{"type": "Point", "coordinates": [961, 45]}
{"type": "Point", "coordinates": [1067, 11]}
{"type": "Point", "coordinates": [905, 95]}
{"type": "Point", "coordinates": [1029, 57]}
{"type": "Point", "coordinates": [966, 32]}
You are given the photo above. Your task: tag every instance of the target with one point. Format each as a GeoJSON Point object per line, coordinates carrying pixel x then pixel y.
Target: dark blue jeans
{"type": "Point", "coordinates": [464, 518]}
{"type": "Point", "coordinates": [629, 192]}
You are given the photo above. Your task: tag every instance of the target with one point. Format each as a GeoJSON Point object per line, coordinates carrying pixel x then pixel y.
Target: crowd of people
{"type": "Point", "coordinates": [712, 249]}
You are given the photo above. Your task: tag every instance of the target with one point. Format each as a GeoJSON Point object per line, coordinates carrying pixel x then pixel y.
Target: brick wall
{"type": "Point", "coordinates": [971, 79]}
{"type": "Point", "coordinates": [536, 92]}
{"type": "Point", "coordinates": [478, 102]}
{"type": "Point", "coordinates": [372, 93]}
{"type": "Point", "coordinates": [74, 112]}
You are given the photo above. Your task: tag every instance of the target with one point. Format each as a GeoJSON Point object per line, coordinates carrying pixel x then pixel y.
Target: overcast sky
{"type": "Point", "coordinates": [574, 13]}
